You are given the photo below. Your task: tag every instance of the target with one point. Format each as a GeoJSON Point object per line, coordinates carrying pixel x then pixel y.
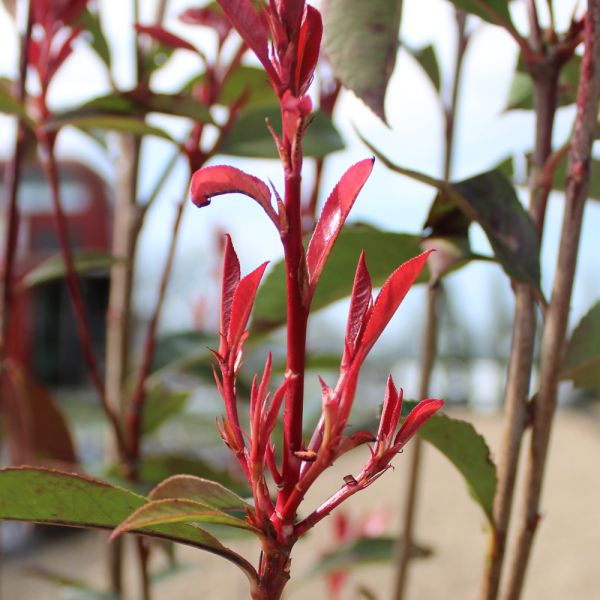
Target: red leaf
{"type": "Point", "coordinates": [208, 17]}
{"type": "Point", "coordinates": [291, 12]}
{"type": "Point", "coordinates": [230, 281]}
{"type": "Point", "coordinates": [64, 52]}
{"type": "Point", "coordinates": [243, 300]}
{"type": "Point", "coordinates": [162, 36]}
{"type": "Point", "coordinates": [360, 300]}
{"type": "Point", "coordinates": [222, 179]}
{"type": "Point", "coordinates": [309, 45]}
{"type": "Point", "coordinates": [391, 295]}
{"type": "Point", "coordinates": [418, 416]}
{"type": "Point", "coordinates": [252, 28]}
{"type": "Point", "coordinates": [44, 437]}
{"type": "Point", "coordinates": [333, 216]}
{"type": "Point", "coordinates": [392, 405]}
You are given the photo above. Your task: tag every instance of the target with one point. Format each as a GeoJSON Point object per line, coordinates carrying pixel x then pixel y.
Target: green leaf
{"type": "Point", "coordinates": [162, 404]}
{"type": "Point", "coordinates": [362, 552]}
{"type": "Point", "coordinates": [181, 344]}
{"type": "Point", "coordinates": [384, 252]}
{"type": "Point", "coordinates": [491, 200]}
{"type": "Point", "coordinates": [468, 451]}
{"type": "Point", "coordinates": [10, 105]}
{"type": "Point", "coordinates": [492, 11]}
{"type": "Point", "coordinates": [155, 468]}
{"type": "Point", "coordinates": [133, 125]}
{"type": "Point", "coordinates": [210, 493]}
{"type": "Point", "coordinates": [427, 59]}
{"type": "Point", "coordinates": [53, 268]}
{"type": "Point", "coordinates": [177, 510]}
{"type": "Point", "coordinates": [521, 91]}
{"type": "Point", "coordinates": [250, 136]}
{"type": "Point", "coordinates": [177, 105]}
{"type": "Point", "coordinates": [251, 81]}
{"type": "Point", "coordinates": [361, 41]}
{"type": "Point", "coordinates": [57, 498]}
{"type": "Point", "coordinates": [95, 36]}
{"type": "Point", "coordinates": [582, 358]}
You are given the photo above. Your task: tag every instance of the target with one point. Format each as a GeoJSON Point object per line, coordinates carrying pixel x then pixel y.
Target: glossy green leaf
{"type": "Point", "coordinates": [521, 91]}
{"type": "Point", "coordinates": [57, 498]}
{"type": "Point", "coordinates": [428, 61]}
{"type": "Point", "coordinates": [582, 358]}
{"type": "Point", "coordinates": [250, 136]}
{"type": "Point", "coordinates": [384, 252]}
{"type": "Point", "coordinates": [491, 200]}
{"type": "Point", "coordinates": [95, 35]}
{"type": "Point", "coordinates": [162, 404]}
{"type": "Point", "coordinates": [210, 493]}
{"type": "Point", "coordinates": [53, 268]}
{"type": "Point", "coordinates": [492, 11]}
{"type": "Point", "coordinates": [468, 451]}
{"type": "Point", "coordinates": [177, 510]}
{"type": "Point", "coordinates": [361, 41]}
{"type": "Point", "coordinates": [132, 125]}
{"type": "Point", "coordinates": [361, 552]}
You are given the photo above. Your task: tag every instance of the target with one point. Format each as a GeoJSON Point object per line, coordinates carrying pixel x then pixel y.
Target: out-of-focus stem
{"type": "Point", "coordinates": [555, 326]}
{"type": "Point", "coordinates": [430, 333]}
{"type": "Point", "coordinates": [11, 183]}
{"type": "Point", "coordinates": [428, 354]}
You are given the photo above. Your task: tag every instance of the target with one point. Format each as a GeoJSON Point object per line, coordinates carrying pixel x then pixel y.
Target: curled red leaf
{"type": "Point", "coordinates": [209, 182]}
{"type": "Point", "coordinates": [418, 416]}
{"type": "Point", "coordinates": [333, 216]}
{"type": "Point", "coordinates": [230, 281]}
{"type": "Point", "coordinates": [309, 45]}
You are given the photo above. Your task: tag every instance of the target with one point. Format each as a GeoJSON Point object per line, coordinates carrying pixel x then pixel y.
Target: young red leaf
{"type": "Point", "coordinates": [391, 295]}
{"type": "Point", "coordinates": [243, 300]}
{"type": "Point", "coordinates": [360, 301]}
{"type": "Point", "coordinates": [162, 36]}
{"type": "Point", "coordinates": [231, 279]}
{"type": "Point", "coordinates": [290, 12]}
{"type": "Point", "coordinates": [209, 16]}
{"type": "Point", "coordinates": [222, 179]}
{"type": "Point", "coordinates": [252, 28]}
{"type": "Point", "coordinates": [333, 216]}
{"type": "Point", "coordinates": [418, 416]}
{"type": "Point", "coordinates": [392, 405]}
{"type": "Point", "coordinates": [309, 45]}
{"type": "Point", "coordinates": [64, 52]}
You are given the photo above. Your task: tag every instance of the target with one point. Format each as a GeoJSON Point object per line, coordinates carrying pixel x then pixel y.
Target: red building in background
{"type": "Point", "coordinates": [42, 331]}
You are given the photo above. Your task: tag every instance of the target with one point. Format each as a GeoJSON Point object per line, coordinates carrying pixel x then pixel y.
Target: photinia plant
{"type": "Point", "coordinates": [286, 37]}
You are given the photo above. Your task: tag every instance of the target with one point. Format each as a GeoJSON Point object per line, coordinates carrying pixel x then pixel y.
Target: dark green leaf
{"type": "Point", "coordinates": [362, 552]}
{"type": "Point", "coordinates": [53, 497]}
{"type": "Point", "coordinates": [86, 261]}
{"type": "Point", "coordinates": [95, 36]}
{"type": "Point", "coordinates": [493, 11]}
{"type": "Point", "coordinates": [178, 106]}
{"type": "Point", "coordinates": [427, 59]}
{"type": "Point", "coordinates": [177, 510]}
{"type": "Point", "coordinates": [385, 251]}
{"type": "Point", "coordinates": [361, 41]}
{"type": "Point", "coordinates": [468, 451]}
{"type": "Point", "coordinates": [582, 359]}
{"type": "Point", "coordinates": [490, 200]}
{"type": "Point", "coordinates": [133, 125]}
{"type": "Point", "coordinates": [250, 136]}
{"type": "Point", "coordinates": [181, 344]}
{"type": "Point", "coordinates": [161, 404]}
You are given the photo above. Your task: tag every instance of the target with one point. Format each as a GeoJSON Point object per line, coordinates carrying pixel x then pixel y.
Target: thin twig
{"type": "Point", "coordinates": [555, 326]}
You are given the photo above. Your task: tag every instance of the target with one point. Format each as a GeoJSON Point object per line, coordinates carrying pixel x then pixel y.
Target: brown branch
{"type": "Point", "coordinates": [555, 326]}
{"type": "Point", "coordinates": [520, 363]}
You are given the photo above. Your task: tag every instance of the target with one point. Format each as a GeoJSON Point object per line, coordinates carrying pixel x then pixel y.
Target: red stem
{"type": "Point", "coordinates": [48, 161]}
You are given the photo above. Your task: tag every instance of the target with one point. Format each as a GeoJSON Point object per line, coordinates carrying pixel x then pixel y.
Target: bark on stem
{"type": "Point", "coordinates": [555, 326]}
{"type": "Point", "coordinates": [520, 363]}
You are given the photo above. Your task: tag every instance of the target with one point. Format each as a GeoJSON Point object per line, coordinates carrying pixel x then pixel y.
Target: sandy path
{"type": "Point", "coordinates": [565, 561]}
